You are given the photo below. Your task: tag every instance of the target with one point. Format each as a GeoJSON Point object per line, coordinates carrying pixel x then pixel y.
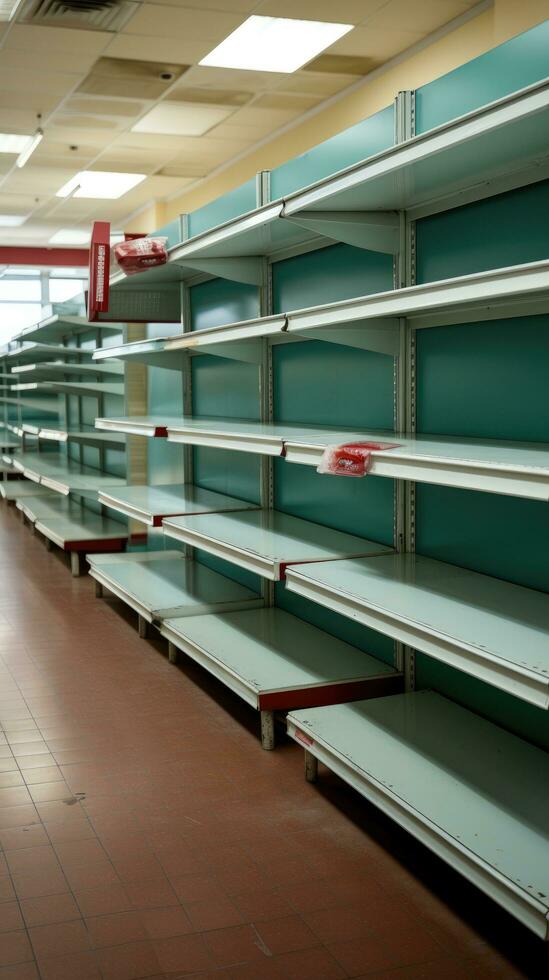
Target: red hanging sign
{"type": "Point", "coordinates": [100, 260]}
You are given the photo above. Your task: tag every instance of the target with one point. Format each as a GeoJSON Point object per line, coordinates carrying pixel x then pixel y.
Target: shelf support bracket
{"type": "Point", "coordinates": [377, 231]}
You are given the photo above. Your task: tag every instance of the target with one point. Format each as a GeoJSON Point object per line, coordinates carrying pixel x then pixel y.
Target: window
{"type": "Point", "coordinates": [25, 295]}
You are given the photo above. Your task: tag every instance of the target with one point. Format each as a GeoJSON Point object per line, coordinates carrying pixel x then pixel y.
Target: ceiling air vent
{"type": "Point", "coordinates": [89, 15]}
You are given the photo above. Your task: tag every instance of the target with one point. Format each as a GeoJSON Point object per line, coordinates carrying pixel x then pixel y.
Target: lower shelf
{"type": "Point", "coordinates": [73, 528]}
{"type": "Point", "coordinates": [491, 629]}
{"type": "Point", "coordinates": [20, 489]}
{"type": "Point", "coordinates": [162, 584]}
{"type": "Point", "coordinates": [275, 661]}
{"type": "Point", "coordinates": [151, 504]}
{"type": "Point", "coordinates": [473, 793]}
{"type": "Point", "coordinates": [42, 506]}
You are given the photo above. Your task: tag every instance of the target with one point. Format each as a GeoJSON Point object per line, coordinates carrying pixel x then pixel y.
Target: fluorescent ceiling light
{"type": "Point", "coordinates": [179, 119]}
{"type": "Point", "coordinates": [11, 143]}
{"type": "Point", "coordinates": [274, 44]}
{"type": "Point", "coordinates": [70, 236]}
{"type": "Point", "coordinates": [100, 184]}
{"type": "Point", "coordinates": [25, 155]}
{"type": "Point", "coordinates": [12, 220]}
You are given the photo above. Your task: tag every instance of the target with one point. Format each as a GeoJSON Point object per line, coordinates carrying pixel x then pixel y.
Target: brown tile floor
{"type": "Point", "coordinates": [144, 833]}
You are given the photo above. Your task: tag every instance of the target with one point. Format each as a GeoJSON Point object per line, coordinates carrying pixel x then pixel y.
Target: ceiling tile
{"type": "Point", "coordinates": [30, 38]}
{"type": "Point", "coordinates": [424, 17]}
{"type": "Point", "coordinates": [232, 6]}
{"type": "Point", "coordinates": [342, 64]}
{"type": "Point", "coordinates": [342, 12]}
{"type": "Point", "coordinates": [124, 108]}
{"type": "Point", "coordinates": [286, 101]}
{"type": "Point", "coordinates": [158, 49]}
{"type": "Point", "coordinates": [210, 96]}
{"type": "Point", "coordinates": [129, 78]}
{"type": "Point", "coordinates": [56, 83]}
{"type": "Point", "coordinates": [256, 81]}
{"type": "Point", "coordinates": [181, 119]}
{"type": "Point", "coordinates": [48, 59]}
{"type": "Point", "coordinates": [179, 22]}
{"type": "Point", "coordinates": [375, 42]}
{"type": "Point", "coordinates": [322, 85]}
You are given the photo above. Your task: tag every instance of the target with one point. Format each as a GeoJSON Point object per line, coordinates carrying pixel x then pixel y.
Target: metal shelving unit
{"type": "Point", "coordinates": [62, 474]}
{"type": "Point", "coordinates": [486, 627]}
{"type": "Point", "coordinates": [471, 792]}
{"type": "Point", "coordinates": [57, 327]}
{"type": "Point", "coordinates": [266, 542]}
{"type": "Point", "coordinates": [275, 661]}
{"type": "Point", "coordinates": [151, 504]}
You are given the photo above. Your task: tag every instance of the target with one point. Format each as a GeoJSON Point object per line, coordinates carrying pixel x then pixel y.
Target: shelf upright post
{"type": "Point", "coordinates": [404, 274]}
{"type": "Point", "coordinates": [135, 403]}
{"type": "Point", "coordinates": [187, 374]}
{"type": "Point", "coordinates": [263, 196]}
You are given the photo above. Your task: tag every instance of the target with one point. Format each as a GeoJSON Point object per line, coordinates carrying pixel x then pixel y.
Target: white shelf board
{"type": "Point", "coordinates": [85, 435]}
{"type": "Point", "coordinates": [165, 584]}
{"type": "Point", "coordinates": [236, 434]}
{"type": "Point", "coordinates": [491, 629]}
{"type": "Point", "coordinates": [48, 371]}
{"type": "Point", "coordinates": [27, 401]}
{"type": "Point", "coordinates": [150, 504]}
{"type": "Point", "coordinates": [79, 528]}
{"type": "Point", "coordinates": [82, 389]}
{"type": "Point", "coordinates": [265, 542]}
{"type": "Point", "coordinates": [63, 475]}
{"type": "Point", "coordinates": [152, 426]}
{"type": "Point", "coordinates": [499, 293]}
{"type": "Point", "coordinates": [54, 328]}
{"type": "Point", "coordinates": [471, 792]}
{"type": "Point", "coordinates": [151, 352]}
{"type": "Point", "coordinates": [44, 505]}
{"type": "Point", "coordinates": [21, 489]}
{"type": "Point", "coordinates": [32, 353]}
{"type": "Point", "coordinates": [493, 466]}
{"type": "Point", "coordinates": [274, 660]}
{"type": "Point", "coordinates": [470, 157]}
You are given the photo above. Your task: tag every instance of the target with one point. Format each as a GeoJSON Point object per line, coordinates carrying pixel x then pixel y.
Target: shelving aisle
{"type": "Point", "coordinates": [401, 303]}
{"type": "Point", "coordinates": [58, 448]}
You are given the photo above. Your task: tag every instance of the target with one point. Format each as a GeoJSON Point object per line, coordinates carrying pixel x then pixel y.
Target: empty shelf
{"type": "Point", "coordinates": [494, 466]}
{"type": "Point", "coordinates": [20, 489]}
{"type": "Point", "coordinates": [152, 504]}
{"type": "Point", "coordinates": [471, 792]}
{"type": "Point", "coordinates": [153, 352]}
{"type": "Point", "coordinates": [56, 327]}
{"type": "Point", "coordinates": [48, 371]}
{"type": "Point", "coordinates": [83, 434]}
{"type": "Point", "coordinates": [82, 530]}
{"type": "Point", "coordinates": [78, 388]}
{"type": "Point", "coordinates": [275, 661]}
{"type": "Point", "coordinates": [235, 434]}
{"type": "Point", "coordinates": [34, 352]}
{"type": "Point", "coordinates": [153, 426]}
{"type": "Point", "coordinates": [470, 157]}
{"type": "Point", "coordinates": [63, 475]}
{"type": "Point", "coordinates": [166, 584]}
{"type": "Point", "coordinates": [491, 629]}
{"type": "Point", "coordinates": [266, 542]}
{"type": "Point", "coordinates": [44, 505]}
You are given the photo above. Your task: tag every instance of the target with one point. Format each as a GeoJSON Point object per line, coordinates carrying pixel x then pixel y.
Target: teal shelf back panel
{"type": "Point", "coordinates": [240, 575]}
{"type": "Point", "coordinates": [485, 380]}
{"type": "Point", "coordinates": [220, 301]}
{"type": "Point", "coordinates": [371, 135]}
{"type": "Point", "coordinates": [327, 384]}
{"type": "Point", "coordinates": [506, 537]}
{"type": "Point", "coordinates": [165, 397]}
{"type": "Point", "coordinates": [329, 274]}
{"type": "Point", "coordinates": [523, 719]}
{"type": "Point", "coordinates": [230, 205]}
{"type": "Point", "coordinates": [503, 230]}
{"type": "Point", "coordinates": [511, 66]}
{"type": "Point", "coordinates": [338, 626]}
{"type": "Point", "coordinates": [228, 389]}
{"type": "Point", "coordinates": [357, 506]}
{"type": "Point", "coordinates": [171, 231]}
{"type": "Point", "coordinates": [223, 471]}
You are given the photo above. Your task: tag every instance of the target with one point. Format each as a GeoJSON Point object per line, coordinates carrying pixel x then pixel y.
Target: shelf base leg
{"type": "Point", "coordinates": [76, 564]}
{"type": "Point", "coordinates": [267, 731]}
{"type": "Point", "coordinates": [173, 653]}
{"type": "Point", "coordinates": [98, 590]}
{"type": "Point", "coordinates": [142, 627]}
{"type": "Point", "coordinates": [311, 767]}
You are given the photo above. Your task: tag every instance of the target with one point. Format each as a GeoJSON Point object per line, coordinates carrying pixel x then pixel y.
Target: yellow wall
{"type": "Point", "coordinates": [499, 23]}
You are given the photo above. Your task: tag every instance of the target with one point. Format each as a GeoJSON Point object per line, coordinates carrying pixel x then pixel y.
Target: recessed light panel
{"type": "Point", "coordinates": [12, 143]}
{"type": "Point", "coordinates": [178, 119]}
{"type": "Point", "coordinates": [274, 44]}
{"type": "Point", "coordinates": [100, 184]}
{"type": "Point", "coordinates": [70, 236]}
{"type": "Point", "coordinates": [12, 220]}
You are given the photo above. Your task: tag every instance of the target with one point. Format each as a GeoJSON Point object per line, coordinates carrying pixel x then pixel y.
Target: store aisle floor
{"type": "Point", "coordinates": [144, 832]}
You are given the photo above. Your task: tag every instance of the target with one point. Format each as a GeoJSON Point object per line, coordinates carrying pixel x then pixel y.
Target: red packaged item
{"type": "Point", "coordinates": [140, 253]}
{"type": "Point", "coordinates": [352, 459]}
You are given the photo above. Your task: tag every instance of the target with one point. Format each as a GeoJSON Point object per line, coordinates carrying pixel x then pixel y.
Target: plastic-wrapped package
{"type": "Point", "coordinates": [138, 254]}
{"type": "Point", "coordinates": [352, 458]}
